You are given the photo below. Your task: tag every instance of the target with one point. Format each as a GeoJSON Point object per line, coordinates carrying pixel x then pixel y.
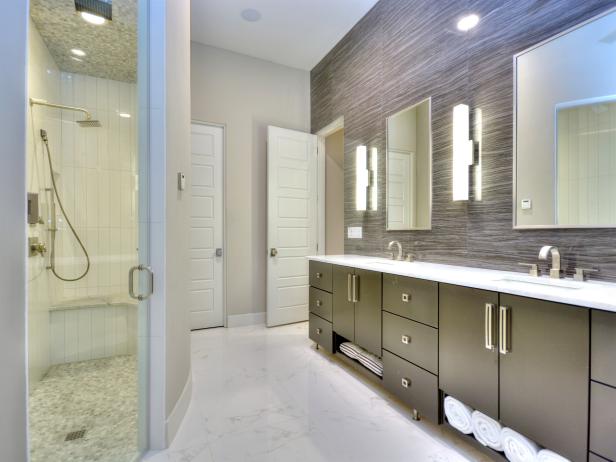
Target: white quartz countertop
{"type": "Point", "coordinates": [591, 294]}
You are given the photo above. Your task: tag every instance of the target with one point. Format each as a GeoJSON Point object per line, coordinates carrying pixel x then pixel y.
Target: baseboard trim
{"type": "Point", "coordinates": [248, 319]}
{"type": "Point", "coordinates": [179, 411]}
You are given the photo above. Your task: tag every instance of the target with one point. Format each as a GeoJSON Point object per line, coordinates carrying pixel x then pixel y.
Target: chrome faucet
{"type": "Point", "coordinates": [555, 272]}
{"type": "Point", "coordinates": [391, 244]}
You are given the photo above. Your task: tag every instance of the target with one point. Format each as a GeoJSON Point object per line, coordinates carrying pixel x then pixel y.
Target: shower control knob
{"type": "Point", "coordinates": [36, 247]}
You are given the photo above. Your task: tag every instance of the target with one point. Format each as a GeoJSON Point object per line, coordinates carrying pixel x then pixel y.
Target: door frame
{"type": "Point", "coordinates": [223, 126]}
{"type": "Point", "coordinates": [333, 127]}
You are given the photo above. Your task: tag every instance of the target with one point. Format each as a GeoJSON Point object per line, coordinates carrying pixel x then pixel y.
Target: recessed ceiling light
{"type": "Point", "coordinates": [124, 115]}
{"type": "Point", "coordinates": [79, 60]}
{"type": "Point", "coordinates": [93, 18]}
{"type": "Point", "coordinates": [251, 15]}
{"type": "Point", "coordinates": [78, 52]}
{"type": "Point", "coordinates": [467, 22]}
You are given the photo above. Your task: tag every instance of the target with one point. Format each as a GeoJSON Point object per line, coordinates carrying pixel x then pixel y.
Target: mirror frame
{"type": "Point", "coordinates": [515, 129]}
{"type": "Point", "coordinates": [429, 227]}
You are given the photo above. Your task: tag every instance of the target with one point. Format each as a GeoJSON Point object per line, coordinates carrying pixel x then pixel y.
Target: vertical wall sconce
{"type": "Point", "coordinates": [361, 178]}
{"type": "Point", "coordinates": [374, 191]}
{"type": "Point", "coordinates": [478, 139]}
{"type": "Point", "coordinates": [462, 152]}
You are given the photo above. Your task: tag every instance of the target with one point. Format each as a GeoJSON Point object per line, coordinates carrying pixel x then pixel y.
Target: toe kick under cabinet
{"type": "Point", "coordinates": [545, 369]}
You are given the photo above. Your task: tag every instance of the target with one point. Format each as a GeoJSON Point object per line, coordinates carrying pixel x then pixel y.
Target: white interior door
{"type": "Point", "coordinates": [206, 227]}
{"type": "Point", "coordinates": [292, 229]}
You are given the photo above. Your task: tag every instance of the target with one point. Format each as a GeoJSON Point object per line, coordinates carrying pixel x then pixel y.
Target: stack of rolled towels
{"type": "Point", "coordinates": [490, 433]}
{"type": "Point", "coordinates": [368, 360]}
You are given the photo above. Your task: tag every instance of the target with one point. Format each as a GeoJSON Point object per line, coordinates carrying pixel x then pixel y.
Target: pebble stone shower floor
{"type": "Point", "coordinates": [99, 396]}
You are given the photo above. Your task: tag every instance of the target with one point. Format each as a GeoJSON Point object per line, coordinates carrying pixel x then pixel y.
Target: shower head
{"type": "Point", "coordinates": [89, 123]}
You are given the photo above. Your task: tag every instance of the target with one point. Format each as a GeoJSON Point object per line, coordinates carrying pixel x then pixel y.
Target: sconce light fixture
{"type": "Point", "coordinates": [374, 163]}
{"type": "Point", "coordinates": [361, 178]}
{"type": "Point", "coordinates": [462, 152]}
{"type": "Point", "coordinates": [479, 164]}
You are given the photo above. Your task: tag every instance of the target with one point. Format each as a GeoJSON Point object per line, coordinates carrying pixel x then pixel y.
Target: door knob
{"type": "Point", "coordinates": [219, 252]}
{"type": "Point", "coordinates": [273, 252]}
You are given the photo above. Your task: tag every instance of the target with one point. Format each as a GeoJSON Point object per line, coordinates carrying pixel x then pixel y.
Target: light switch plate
{"type": "Point", "coordinates": [527, 204]}
{"type": "Point", "coordinates": [354, 232]}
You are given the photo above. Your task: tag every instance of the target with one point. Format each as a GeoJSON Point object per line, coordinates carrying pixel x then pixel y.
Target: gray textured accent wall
{"type": "Point", "coordinates": [403, 51]}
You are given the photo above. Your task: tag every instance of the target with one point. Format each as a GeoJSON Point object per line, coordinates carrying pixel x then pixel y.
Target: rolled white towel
{"type": "Point", "coordinates": [517, 447]}
{"type": "Point", "coordinates": [545, 455]}
{"type": "Point", "coordinates": [487, 431]}
{"type": "Point", "coordinates": [459, 415]}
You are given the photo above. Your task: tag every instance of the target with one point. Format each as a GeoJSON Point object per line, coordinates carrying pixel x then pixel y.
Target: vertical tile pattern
{"type": "Point", "coordinates": [97, 170]}
{"type": "Point", "coordinates": [402, 52]}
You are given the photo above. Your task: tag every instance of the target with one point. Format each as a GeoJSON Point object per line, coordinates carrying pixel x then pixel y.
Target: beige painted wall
{"type": "Point", "coordinates": [334, 193]}
{"type": "Point", "coordinates": [177, 219]}
{"type": "Point", "coordinates": [247, 95]}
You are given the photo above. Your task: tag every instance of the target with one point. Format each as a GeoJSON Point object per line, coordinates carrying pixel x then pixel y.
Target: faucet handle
{"type": "Point", "coordinates": [581, 274]}
{"type": "Point", "coordinates": [533, 269]}
{"type": "Point", "coordinates": [410, 257]}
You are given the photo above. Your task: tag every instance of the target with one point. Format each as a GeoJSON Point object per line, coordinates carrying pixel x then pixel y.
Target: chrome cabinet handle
{"type": "Point", "coordinates": [355, 288]}
{"type": "Point", "coordinates": [131, 284]}
{"type": "Point", "coordinates": [504, 330]}
{"type": "Point", "coordinates": [405, 339]}
{"type": "Point", "coordinates": [273, 252]}
{"type": "Point", "coordinates": [406, 383]}
{"type": "Point", "coordinates": [489, 326]}
{"type": "Point", "coordinates": [349, 287]}
{"type": "Point", "coordinates": [319, 302]}
{"type": "Point", "coordinates": [319, 331]}
{"type": "Point", "coordinates": [318, 275]}
{"type": "Point", "coordinates": [406, 298]}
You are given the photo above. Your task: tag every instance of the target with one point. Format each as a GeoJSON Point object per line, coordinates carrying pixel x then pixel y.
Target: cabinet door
{"type": "Point", "coordinates": [467, 369]}
{"type": "Point", "coordinates": [368, 310]}
{"type": "Point", "coordinates": [343, 315]}
{"type": "Point", "coordinates": [544, 375]}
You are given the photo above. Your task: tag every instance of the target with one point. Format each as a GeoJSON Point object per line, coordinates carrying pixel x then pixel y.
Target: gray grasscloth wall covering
{"type": "Point", "coordinates": [403, 51]}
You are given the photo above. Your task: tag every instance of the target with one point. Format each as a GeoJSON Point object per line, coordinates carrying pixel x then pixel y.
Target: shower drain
{"type": "Point", "coordinates": [75, 435]}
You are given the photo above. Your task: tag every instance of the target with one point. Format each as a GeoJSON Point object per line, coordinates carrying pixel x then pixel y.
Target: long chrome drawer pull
{"type": "Point", "coordinates": [504, 330]}
{"type": "Point", "coordinates": [349, 284]}
{"type": "Point", "coordinates": [489, 326]}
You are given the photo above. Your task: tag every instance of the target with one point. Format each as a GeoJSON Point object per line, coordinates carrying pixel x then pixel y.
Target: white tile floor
{"type": "Point", "coordinates": [267, 395]}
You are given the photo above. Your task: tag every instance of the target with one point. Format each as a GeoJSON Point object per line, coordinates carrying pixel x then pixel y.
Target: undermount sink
{"type": "Point", "coordinates": [543, 281]}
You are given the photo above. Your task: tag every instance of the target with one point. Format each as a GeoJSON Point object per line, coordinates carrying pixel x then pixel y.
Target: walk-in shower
{"type": "Point", "coordinates": [86, 336]}
{"type": "Point", "coordinates": [88, 122]}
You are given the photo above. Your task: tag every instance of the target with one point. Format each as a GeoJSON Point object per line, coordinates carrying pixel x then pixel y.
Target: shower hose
{"type": "Point", "coordinates": [52, 255]}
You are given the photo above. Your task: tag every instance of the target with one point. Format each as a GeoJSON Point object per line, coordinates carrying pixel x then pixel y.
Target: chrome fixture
{"type": "Point", "coordinates": [88, 122]}
{"type": "Point", "coordinates": [555, 272]}
{"type": "Point", "coordinates": [410, 257]}
{"type": "Point", "coordinates": [581, 274]}
{"type": "Point", "coordinates": [36, 247]}
{"type": "Point", "coordinates": [396, 243]}
{"type": "Point", "coordinates": [533, 269]}
{"type": "Point", "coordinates": [131, 286]}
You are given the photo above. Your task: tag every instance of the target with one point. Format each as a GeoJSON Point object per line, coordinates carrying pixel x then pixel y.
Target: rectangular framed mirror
{"type": "Point", "coordinates": [565, 129]}
{"type": "Point", "coordinates": [409, 168]}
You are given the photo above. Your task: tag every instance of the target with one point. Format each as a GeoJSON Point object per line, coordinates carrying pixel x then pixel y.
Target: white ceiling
{"type": "Point", "coordinates": [296, 33]}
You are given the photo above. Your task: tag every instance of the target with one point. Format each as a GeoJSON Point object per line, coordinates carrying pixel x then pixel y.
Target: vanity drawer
{"type": "Point", "coordinates": [321, 303]}
{"type": "Point", "coordinates": [415, 299]}
{"type": "Point", "coordinates": [412, 341]}
{"type": "Point", "coordinates": [413, 385]}
{"type": "Point", "coordinates": [603, 350]}
{"type": "Point", "coordinates": [321, 332]}
{"type": "Point", "coordinates": [603, 420]}
{"type": "Point", "coordinates": [321, 275]}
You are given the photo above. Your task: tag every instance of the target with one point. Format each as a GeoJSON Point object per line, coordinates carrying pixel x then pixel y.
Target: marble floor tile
{"type": "Point", "coordinates": [266, 395]}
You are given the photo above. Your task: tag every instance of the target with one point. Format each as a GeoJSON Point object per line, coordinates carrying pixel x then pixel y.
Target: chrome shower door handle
{"type": "Point", "coordinates": [131, 283]}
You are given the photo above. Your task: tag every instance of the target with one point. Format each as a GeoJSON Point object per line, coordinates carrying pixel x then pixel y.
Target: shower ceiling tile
{"type": "Point", "coordinates": [111, 48]}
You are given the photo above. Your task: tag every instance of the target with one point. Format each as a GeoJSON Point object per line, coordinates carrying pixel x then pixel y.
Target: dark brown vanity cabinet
{"type": "Point", "coordinates": [544, 370]}
{"type": "Point", "coordinates": [522, 361]}
{"type": "Point", "coordinates": [468, 354]}
{"type": "Point", "coordinates": [320, 305]}
{"type": "Point", "coordinates": [356, 306]}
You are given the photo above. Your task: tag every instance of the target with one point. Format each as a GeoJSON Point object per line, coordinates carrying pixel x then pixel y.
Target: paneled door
{"type": "Point", "coordinates": [292, 222]}
{"type": "Point", "coordinates": [206, 226]}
